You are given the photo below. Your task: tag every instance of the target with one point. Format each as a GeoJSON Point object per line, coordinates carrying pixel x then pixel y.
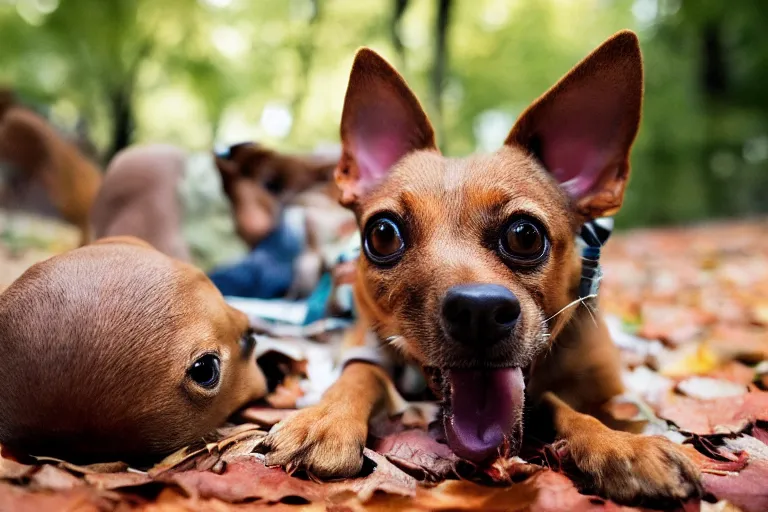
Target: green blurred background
{"type": "Point", "coordinates": [205, 72]}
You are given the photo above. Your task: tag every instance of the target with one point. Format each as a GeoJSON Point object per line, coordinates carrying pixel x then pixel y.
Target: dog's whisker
{"type": "Point", "coordinates": [591, 313]}
{"type": "Point", "coordinates": [570, 305]}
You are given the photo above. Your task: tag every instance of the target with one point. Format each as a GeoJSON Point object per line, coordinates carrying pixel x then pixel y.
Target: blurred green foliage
{"type": "Point", "coordinates": [200, 72]}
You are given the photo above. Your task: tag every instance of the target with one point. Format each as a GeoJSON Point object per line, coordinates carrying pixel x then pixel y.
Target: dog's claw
{"type": "Point", "coordinates": [318, 441]}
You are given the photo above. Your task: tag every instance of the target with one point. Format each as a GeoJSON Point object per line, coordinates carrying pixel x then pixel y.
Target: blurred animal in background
{"type": "Point", "coordinates": [285, 207]}
{"type": "Point", "coordinates": [115, 351]}
{"type": "Point", "coordinates": [140, 197]}
{"type": "Point", "coordinates": [281, 208]}
{"type": "Point", "coordinates": [34, 154]}
{"type": "Point", "coordinates": [259, 182]}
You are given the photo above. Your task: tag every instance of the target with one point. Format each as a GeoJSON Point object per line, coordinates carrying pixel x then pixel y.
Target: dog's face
{"type": "Point", "coordinates": [259, 182]}
{"type": "Point", "coordinates": [115, 350]}
{"type": "Point", "coordinates": [468, 262]}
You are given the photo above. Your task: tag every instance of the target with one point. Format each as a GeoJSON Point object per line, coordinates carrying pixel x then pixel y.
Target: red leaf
{"type": "Point", "coordinates": [747, 489]}
{"type": "Point", "coordinates": [265, 416]}
{"type": "Point", "coordinates": [721, 415]}
{"type": "Point", "coordinates": [418, 454]}
{"type": "Point", "coordinates": [246, 478]}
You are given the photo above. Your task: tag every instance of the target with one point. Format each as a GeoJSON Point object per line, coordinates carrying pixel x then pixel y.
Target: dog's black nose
{"type": "Point", "coordinates": [480, 314]}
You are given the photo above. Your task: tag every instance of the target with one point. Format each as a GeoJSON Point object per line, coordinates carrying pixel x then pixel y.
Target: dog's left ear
{"type": "Point", "coordinates": [583, 128]}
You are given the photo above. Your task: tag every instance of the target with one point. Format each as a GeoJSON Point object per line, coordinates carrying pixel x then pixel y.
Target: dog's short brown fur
{"type": "Point", "coordinates": [140, 198]}
{"type": "Point", "coordinates": [259, 181]}
{"type": "Point", "coordinates": [564, 162]}
{"type": "Point", "coordinates": [98, 346]}
{"type": "Point", "coordinates": [34, 148]}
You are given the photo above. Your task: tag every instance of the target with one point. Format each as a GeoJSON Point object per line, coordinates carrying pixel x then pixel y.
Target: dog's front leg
{"type": "Point", "coordinates": [622, 466]}
{"type": "Point", "coordinates": [327, 439]}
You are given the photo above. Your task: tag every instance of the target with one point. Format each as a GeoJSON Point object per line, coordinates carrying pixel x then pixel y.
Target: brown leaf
{"type": "Point", "coordinates": [102, 467]}
{"type": "Point", "coordinates": [13, 470]}
{"type": "Point", "coordinates": [385, 478]}
{"type": "Point", "coordinates": [55, 479]}
{"type": "Point", "coordinates": [18, 499]}
{"type": "Point", "coordinates": [418, 454]}
{"type": "Point", "coordinates": [109, 481]}
{"type": "Point", "coordinates": [731, 414]}
{"type": "Point", "coordinates": [734, 371]}
{"type": "Point", "coordinates": [546, 491]}
{"type": "Point", "coordinates": [732, 463]}
{"type": "Point", "coordinates": [179, 460]}
{"type": "Point", "coordinates": [265, 416]}
{"type": "Point", "coordinates": [740, 342]}
{"type": "Point", "coordinates": [246, 478]}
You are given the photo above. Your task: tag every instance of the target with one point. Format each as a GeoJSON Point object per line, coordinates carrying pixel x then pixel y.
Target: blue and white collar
{"type": "Point", "coordinates": [592, 237]}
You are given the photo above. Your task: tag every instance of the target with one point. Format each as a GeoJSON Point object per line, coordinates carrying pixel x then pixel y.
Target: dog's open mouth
{"type": "Point", "coordinates": [486, 412]}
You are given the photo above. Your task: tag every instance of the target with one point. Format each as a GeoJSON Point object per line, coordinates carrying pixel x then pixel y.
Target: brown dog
{"type": "Point", "coordinates": [470, 269]}
{"type": "Point", "coordinates": [116, 351]}
{"type": "Point", "coordinates": [259, 182]}
{"type": "Point", "coordinates": [33, 148]}
{"type": "Point", "coordinates": [140, 197]}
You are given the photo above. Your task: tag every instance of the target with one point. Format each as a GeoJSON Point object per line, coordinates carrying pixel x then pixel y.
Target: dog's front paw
{"type": "Point", "coordinates": [321, 440]}
{"type": "Point", "coordinates": [633, 469]}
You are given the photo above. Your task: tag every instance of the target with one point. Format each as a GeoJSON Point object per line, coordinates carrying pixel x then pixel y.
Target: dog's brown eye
{"type": "Point", "coordinates": [524, 242]}
{"type": "Point", "coordinates": [384, 242]}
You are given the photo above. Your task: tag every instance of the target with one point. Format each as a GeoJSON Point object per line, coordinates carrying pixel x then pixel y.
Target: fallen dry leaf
{"type": "Point", "coordinates": [19, 499]}
{"type": "Point", "coordinates": [747, 488]}
{"type": "Point", "coordinates": [721, 415]}
{"type": "Point", "coordinates": [264, 416]}
{"type": "Point", "coordinates": [418, 454]}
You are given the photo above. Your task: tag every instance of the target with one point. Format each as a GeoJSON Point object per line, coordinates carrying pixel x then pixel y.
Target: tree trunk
{"type": "Point", "coordinates": [306, 50]}
{"type": "Point", "coordinates": [443, 20]}
{"type": "Point", "coordinates": [397, 41]}
{"type": "Point", "coordinates": [121, 110]}
{"type": "Point", "coordinates": [714, 87]}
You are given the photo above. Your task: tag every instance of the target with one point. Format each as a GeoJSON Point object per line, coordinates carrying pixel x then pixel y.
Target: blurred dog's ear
{"type": "Point", "coordinates": [382, 122]}
{"type": "Point", "coordinates": [583, 128]}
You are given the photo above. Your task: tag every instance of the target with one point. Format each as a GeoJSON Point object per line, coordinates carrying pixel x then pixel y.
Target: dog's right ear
{"type": "Point", "coordinates": [382, 122]}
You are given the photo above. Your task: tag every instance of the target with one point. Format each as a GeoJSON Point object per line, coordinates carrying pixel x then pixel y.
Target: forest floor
{"type": "Point", "coordinates": [688, 308]}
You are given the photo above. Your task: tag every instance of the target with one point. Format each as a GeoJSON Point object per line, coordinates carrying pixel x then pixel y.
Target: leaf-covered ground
{"type": "Point", "coordinates": [689, 310]}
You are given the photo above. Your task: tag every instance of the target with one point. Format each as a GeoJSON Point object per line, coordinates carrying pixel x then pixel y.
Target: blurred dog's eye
{"type": "Point", "coordinates": [247, 343]}
{"type": "Point", "coordinates": [383, 243]}
{"type": "Point", "coordinates": [523, 242]}
{"type": "Point", "coordinates": [206, 371]}
{"type": "Point", "coordinates": [274, 185]}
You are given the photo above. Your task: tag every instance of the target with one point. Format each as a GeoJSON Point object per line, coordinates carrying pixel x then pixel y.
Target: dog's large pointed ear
{"type": "Point", "coordinates": [382, 122]}
{"type": "Point", "coordinates": [583, 128]}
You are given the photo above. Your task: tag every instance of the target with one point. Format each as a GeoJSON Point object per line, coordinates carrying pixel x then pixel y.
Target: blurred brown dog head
{"type": "Point", "coordinates": [259, 182]}
{"type": "Point", "coordinates": [468, 262]}
{"type": "Point", "coordinates": [115, 350]}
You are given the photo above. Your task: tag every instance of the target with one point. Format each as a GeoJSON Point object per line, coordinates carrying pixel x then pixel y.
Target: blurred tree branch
{"type": "Point", "coordinates": [305, 48]}
{"type": "Point", "coordinates": [440, 64]}
{"type": "Point", "coordinates": [400, 7]}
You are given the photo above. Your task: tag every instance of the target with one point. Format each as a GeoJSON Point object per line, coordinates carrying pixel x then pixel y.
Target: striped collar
{"type": "Point", "coordinates": [592, 237]}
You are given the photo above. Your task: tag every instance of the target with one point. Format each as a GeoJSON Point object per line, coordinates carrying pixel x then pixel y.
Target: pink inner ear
{"type": "Point", "coordinates": [381, 134]}
{"type": "Point", "coordinates": [576, 163]}
{"type": "Point", "coordinates": [581, 141]}
{"type": "Point", "coordinates": [376, 155]}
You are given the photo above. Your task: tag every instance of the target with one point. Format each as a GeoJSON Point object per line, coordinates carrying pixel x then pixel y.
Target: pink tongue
{"type": "Point", "coordinates": [486, 408]}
